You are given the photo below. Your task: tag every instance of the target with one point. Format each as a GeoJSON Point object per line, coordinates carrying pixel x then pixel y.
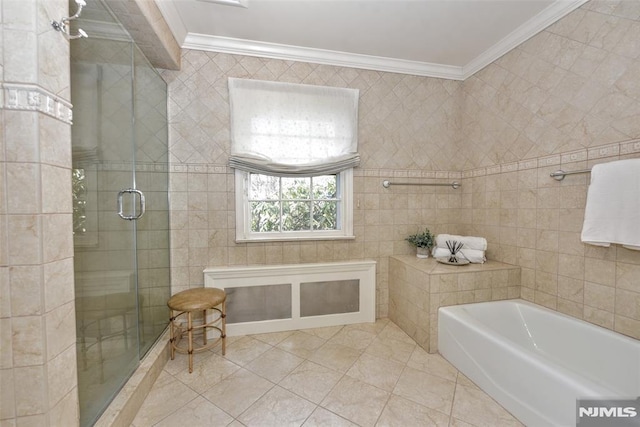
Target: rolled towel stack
{"type": "Point", "coordinates": [473, 249]}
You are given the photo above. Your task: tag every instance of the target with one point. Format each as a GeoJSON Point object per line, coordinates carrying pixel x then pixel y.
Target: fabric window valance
{"type": "Point", "coordinates": [292, 129]}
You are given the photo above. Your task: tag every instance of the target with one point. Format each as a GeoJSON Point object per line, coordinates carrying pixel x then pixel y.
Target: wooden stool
{"type": "Point", "coordinates": [187, 302]}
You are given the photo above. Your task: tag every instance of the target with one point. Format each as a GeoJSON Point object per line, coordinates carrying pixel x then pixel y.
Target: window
{"type": "Point", "coordinates": [293, 148]}
{"type": "Point", "coordinates": [285, 208]}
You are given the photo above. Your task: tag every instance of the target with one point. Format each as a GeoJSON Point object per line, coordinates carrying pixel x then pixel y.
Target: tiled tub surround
{"type": "Point", "coordinates": [418, 287]}
{"type": "Point", "coordinates": [534, 221]}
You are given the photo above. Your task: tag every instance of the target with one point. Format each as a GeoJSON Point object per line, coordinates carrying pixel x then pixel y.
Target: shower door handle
{"type": "Point", "coordinates": [142, 201]}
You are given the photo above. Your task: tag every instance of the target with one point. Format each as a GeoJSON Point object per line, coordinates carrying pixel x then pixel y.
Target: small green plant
{"type": "Point", "coordinates": [421, 240]}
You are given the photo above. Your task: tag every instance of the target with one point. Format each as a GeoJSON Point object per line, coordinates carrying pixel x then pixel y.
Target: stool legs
{"type": "Point", "coordinates": [204, 334]}
{"type": "Point", "coordinates": [172, 336]}
{"type": "Point", "coordinates": [223, 332]}
{"type": "Point", "coordinates": [190, 335]}
{"type": "Point", "coordinates": [176, 331]}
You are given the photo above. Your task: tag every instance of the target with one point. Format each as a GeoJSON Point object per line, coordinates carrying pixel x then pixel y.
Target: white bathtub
{"type": "Point", "coordinates": [536, 362]}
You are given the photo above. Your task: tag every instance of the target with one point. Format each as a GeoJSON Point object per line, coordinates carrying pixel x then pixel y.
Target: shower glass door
{"type": "Point", "coordinates": [152, 176]}
{"type": "Point", "coordinates": [120, 197]}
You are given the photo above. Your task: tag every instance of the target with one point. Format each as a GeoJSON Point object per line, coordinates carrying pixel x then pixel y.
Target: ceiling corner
{"type": "Point", "coordinates": [538, 23]}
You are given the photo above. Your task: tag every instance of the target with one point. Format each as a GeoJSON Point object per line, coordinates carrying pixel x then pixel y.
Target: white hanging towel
{"type": "Point", "coordinates": [612, 214]}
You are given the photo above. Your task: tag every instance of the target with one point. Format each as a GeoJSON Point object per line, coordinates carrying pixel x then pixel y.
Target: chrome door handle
{"type": "Point", "coordinates": [142, 201]}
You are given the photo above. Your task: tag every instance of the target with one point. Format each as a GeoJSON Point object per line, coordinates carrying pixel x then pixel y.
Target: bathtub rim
{"type": "Point", "coordinates": [458, 354]}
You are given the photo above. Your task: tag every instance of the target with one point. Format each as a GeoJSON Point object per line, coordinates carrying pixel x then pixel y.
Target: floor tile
{"type": "Point", "coordinates": [311, 381]}
{"type": "Point", "coordinates": [426, 389]}
{"type": "Point", "coordinates": [376, 371]}
{"type": "Point", "coordinates": [401, 412]}
{"type": "Point", "coordinates": [392, 331]}
{"type": "Point", "coordinates": [207, 372]}
{"type": "Point", "coordinates": [356, 401]}
{"type": "Point", "coordinates": [274, 364]}
{"type": "Point", "coordinates": [358, 339]}
{"type": "Point", "coordinates": [238, 391]}
{"type": "Point", "coordinates": [476, 407]}
{"type": "Point", "coordinates": [167, 396]}
{"type": "Point", "coordinates": [245, 350]}
{"type": "Point", "coordinates": [301, 344]}
{"type": "Point", "coordinates": [335, 356]}
{"type": "Point", "coordinates": [323, 418]}
{"type": "Point", "coordinates": [273, 338]}
{"type": "Point", "coordinates": [433, 364]}
{"type": "Point", "coordinates": [277, 408]}
{"type": "Point", "coordinates": [197, 413]}
{"type": "Point", "coordinates": [370, 374]}
{"type": "Point", "coordinates": [398, 351]}
{"type": "Point", "coordinates": [324, 333]}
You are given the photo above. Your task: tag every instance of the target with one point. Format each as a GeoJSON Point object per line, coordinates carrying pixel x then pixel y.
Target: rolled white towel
{"type": "Point", "coordinates": [469, 242]}
{"type": "Point", "coordinates": [472, 255]}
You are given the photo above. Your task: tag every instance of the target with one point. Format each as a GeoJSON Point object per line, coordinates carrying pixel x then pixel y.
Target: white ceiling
{"type": "Point", "coordinates": [440, 38]}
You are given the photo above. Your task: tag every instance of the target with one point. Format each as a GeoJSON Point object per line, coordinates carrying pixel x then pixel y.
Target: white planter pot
{"type": "Point", "coordinates": [422, 252]}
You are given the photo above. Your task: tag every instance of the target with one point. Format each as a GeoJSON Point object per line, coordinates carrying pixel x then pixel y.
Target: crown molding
{"type": "Point", "coordinates": [319, 56]}
{"type": "Point", "coordinates": [235, 46]}
{"type": "Point", "coordinates": [538, 23]}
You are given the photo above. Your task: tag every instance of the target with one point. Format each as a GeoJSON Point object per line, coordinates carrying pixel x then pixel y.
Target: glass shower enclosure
{"type": "Point", "coordinates": [120, 207]}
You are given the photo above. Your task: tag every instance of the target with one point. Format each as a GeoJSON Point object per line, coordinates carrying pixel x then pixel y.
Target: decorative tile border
{"type": "Point", "coordinates": [527, 164]}
{"type": "Point", "coordinates": [27, 97]}
{"type": "Point", "coordinates": [492, 170]}
{"type": "Point", "coordinates": [605, 151]}
{"type": "Point", "coordinates": [595, 153]}
{"type": "Point", "coordinates": [549, 161]}
{"type": "Point", "coordinates": [576, 156]}
{"type": "Point", "coordinates": [630, 147]}
{"type": "Point", "coordinates": [509, 167]}
{"type": "Point", "coordinates": [610, 150]}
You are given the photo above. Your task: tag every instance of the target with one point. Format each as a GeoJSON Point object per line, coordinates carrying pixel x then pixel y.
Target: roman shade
{"type": "Point", "coordinates": [289, 129]}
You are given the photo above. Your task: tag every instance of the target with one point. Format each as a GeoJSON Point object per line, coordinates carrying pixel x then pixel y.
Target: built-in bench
{"type": "Point", "coordinates": [418, 287]}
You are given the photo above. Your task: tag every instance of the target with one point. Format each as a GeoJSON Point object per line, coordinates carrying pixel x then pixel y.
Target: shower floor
{"type": "Point", "coordinates": [362, 374]}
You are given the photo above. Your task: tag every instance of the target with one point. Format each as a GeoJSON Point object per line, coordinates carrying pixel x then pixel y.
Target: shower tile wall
{"type": "Point", "coordinates": [38, 384]}
{"type": "Point", "coordinates": [568, 89]}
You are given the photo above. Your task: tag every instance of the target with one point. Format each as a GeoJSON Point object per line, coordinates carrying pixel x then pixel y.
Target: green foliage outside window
{"type": "Point", "coordinates": [293, 204]}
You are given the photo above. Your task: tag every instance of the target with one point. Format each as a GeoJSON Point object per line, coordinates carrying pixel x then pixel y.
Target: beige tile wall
{"type": "Point", "coordinates": [407, 130]}
{"type": "Point", "coordinates": [534, 221]}
{"type": "Point", "coordinates": [571, 88]}
{"type": "Point", "coordinates": [38, 384]}
{"type": "Point", "coordinates": [567, 98]}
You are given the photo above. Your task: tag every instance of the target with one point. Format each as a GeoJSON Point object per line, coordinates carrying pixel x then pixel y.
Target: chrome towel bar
{"type": "Point", "coordinates": [560, 174]}
{"type": "Point", "coordinates": [455, 184]}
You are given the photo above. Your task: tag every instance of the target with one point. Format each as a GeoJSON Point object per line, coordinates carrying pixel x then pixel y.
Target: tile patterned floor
{"type": "Point", "coordinates": [355, 375]}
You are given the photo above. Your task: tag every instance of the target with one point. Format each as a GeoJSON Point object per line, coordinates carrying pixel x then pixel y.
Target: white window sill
{"type": "Point", "coordinates": [293, 239]}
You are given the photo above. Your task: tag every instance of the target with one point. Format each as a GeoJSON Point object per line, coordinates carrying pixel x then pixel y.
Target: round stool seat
{"type": "Point", "coordinates": [197, 299]}
{"type": "Point", "coordinates": [188, 302]}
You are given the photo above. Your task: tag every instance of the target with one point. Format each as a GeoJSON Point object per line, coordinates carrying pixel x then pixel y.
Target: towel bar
{"type": "Point", "coordinates": [560, 174]}
{"type": "Point", "coordinates": [455, 184]}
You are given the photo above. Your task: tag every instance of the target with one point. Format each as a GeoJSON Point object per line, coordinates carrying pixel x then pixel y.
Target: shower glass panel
{"type": "Point", "coordinates": [151, 175]}
{"type": "Point", "coordinates": [119, 148]}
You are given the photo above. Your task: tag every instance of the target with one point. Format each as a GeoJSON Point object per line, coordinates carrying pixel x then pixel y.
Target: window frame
{"type": "Point", "coordinates": [243, 222]}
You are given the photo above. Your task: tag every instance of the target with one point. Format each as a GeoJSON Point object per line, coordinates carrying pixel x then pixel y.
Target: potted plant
{"type": "Point", "coordinates": [422, 241]}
